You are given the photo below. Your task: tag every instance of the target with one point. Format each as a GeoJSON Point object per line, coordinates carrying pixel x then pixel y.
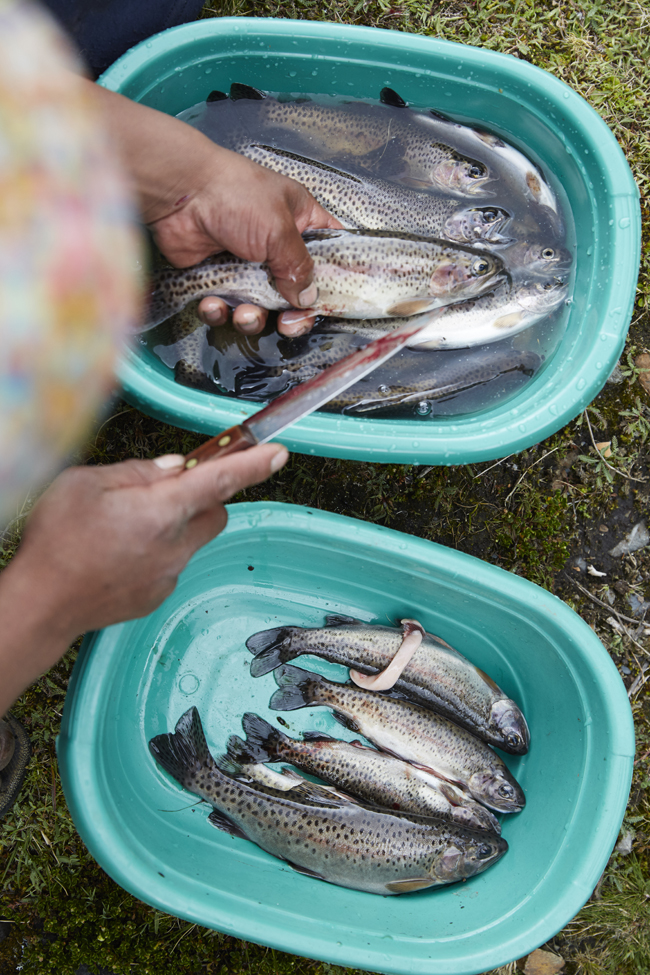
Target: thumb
{"type": "Point", "coordinates": [288, 258]}
{"type": "Point", "coordinates": [215, 481]}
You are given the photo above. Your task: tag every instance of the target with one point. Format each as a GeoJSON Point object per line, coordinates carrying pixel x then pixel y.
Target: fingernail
{"type": "Point", "coordinates": [249, 324]}
{"type": "Point", "coordinates": [295, 317]}
{"type": "Point", "coordinates": [213, 314]}
{"type": "Point", "coordinates": [308, 297]}
{"type": "Point", "coordinates": [247, 318]}
{"type": "Point", "coordinates": [279, 459]}
{"type": "Point", "coordinates": [168, 461]}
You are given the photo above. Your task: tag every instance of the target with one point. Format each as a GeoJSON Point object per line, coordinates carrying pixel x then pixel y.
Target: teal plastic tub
{"type": "Point", "coordinates": [279, 563]}
{"type": "Point", "coordinates": [531, 108]}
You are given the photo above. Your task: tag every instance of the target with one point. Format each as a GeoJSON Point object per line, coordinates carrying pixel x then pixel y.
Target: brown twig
{"type": "Point", "coordinates": [614, 469]}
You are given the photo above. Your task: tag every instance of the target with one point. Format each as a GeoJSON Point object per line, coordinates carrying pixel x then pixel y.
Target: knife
{"type": "Point", "coordinates": [304, 399]}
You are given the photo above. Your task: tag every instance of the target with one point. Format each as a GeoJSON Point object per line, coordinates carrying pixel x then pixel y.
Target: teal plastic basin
{"type": "Point", "coordinates": [279, 563]}
{"type": "Point", "coordinates": [531, 108]}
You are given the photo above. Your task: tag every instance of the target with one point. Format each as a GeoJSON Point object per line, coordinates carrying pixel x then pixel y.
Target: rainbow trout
{"type": "Point", "coordinates": [409, 732]}
{"type": "Point", "coordinates": [372, 776]}
{"type": "Point", "coordinates": [436, 677]}
{"type": "Point", "coordinates": [330, 838]}
{"type": "Point", "coordinates": [359, 274]}
{"type": "Point", "coordinates": [422, 149]}
{"type": "Point", "coordinates": [375, 204]}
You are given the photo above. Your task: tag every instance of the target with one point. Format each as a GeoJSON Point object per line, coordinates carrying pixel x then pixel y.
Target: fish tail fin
{"type": "Point", "coordinates": [263, 742]}
{"type": "Point", "coordinates": [157, 310]}
{"type": "Point", "coordinates": [183, 750]}
{"type": "Point", "coordinates": [295, 689]}
{"type": "Point", "coordinates": [271, 648]}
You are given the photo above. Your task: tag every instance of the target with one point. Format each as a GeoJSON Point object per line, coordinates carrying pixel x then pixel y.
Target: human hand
{"type": "Point", "coordinates": [106, 544]}
{"type": "Point", "coordinates": [256, 214]}
{"type": "Point", "coordinates": [199, 198]}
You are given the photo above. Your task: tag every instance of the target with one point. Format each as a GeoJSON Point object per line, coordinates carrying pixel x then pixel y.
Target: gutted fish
{"type": "Point", "coordinates": [359, 274]}
{"type": "Point", "coordinates": [332, 839]}
{"type": "Point", "coordinates": [436, 677]}
{"type": "Point", "coordinates": [372, 776]}
{"type": "Point", "coordinates": [408, 731]}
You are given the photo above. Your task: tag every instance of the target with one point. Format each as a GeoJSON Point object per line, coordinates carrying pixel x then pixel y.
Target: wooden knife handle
{"type": "Point", "coordinates": [228, 442]}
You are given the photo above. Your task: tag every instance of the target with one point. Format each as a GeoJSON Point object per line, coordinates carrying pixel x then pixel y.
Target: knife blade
{"type": "Point", "coordinates": [304, 399]}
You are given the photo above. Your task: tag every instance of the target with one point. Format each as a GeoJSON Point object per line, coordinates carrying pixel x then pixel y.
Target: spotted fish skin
{"type": "Point", "coordinates": [370, 775]}
{"type": "Point", "coordinates": [335, 840]}
{"type": "Point", "coordinates": [419, 148]}
{"type": "Point", "coordinates": [359, 274]}
{"type": "Point", "coordinates": [437, 676]}
{"type": "Point", "coordinates": [408, 731]}
{"type": "Point", "coordinates": [375, 204]}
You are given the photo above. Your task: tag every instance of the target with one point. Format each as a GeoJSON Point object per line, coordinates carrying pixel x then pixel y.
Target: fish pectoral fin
{"type": "Point", "coordinates": [338, 620]}
{"type": "Point", "coordinates": [347, 722]}
{"type": "Point", "coordinates": [316, 736]}
{"type": "Point", "coordinates": [406, 886]}
{"type": "Point", "coordinates": [436, 774]}
{"type": "Point", "coordinates": [407, 308]}
{"type": "Point", "coordinates": [238, 91]}
{"type": "Point", "coordinates": [305, 870]}
{"type": "Point", "coordinates": [222, 822]}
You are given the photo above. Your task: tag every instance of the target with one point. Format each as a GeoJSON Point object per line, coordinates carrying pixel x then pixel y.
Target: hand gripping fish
{"type": "Point", "coordinates": [326, 836]}
{"type": "Point", "coordinates": [359, 274]}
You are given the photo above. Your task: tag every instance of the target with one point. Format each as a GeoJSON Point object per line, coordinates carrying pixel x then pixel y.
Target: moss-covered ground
{"type": "Point", "coordinates": [537, 513]}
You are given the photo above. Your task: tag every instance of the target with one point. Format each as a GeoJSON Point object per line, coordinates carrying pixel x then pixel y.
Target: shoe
{"type": "Point", "coordinates": [15, 752]}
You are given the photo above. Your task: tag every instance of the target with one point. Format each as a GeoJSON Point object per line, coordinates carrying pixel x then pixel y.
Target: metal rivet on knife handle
{"type": "Point", "coordinates": [228, 442]}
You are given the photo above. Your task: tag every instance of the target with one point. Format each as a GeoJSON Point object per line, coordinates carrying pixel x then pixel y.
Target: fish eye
{"type": "Point", "coordinates": [545, 286]}
{"type": "Point", "coordinates": [512, 739]}
{"type": "Point", "coordinates": [481, 266]}
{"type": "Point", "coordinates": [483, 851]}
{"type": "Point", "coordinates": [505, 791]}
{"type": "Point", "coordinates": [490, 215]}
{"type": "Point", "coordinates": [476, 171]}
{"type": "Point", "coordinates": [548, 253]}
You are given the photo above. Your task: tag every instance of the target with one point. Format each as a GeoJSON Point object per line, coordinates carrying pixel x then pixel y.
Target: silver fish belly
{"type": "Point", "coordinates": [335, 840]}
{"type": "Point", "coordinates": [437, 676]}
{"type": "Point", "coordinates": [408, 731]}
{"type": "Point", "coordinates": [370, 775]}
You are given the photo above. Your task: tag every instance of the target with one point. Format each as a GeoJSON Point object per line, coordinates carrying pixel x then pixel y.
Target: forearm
{"type": "Point", "coordinates": [35, 633]}
{"type": "Point", "coordinates": [168, 161]}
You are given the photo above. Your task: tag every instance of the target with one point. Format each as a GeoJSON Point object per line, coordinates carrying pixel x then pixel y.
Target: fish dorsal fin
{"type": "Point", "coordinates": [305, 870]}
{"type": "Point", "coordinates": [239, 91]}
{"type": "Point", "coordinates": [406, 886]}
{"type": "Point", "coordinates": [336, 619]}
{"type": "Point", "coordinates": [316, 736]}
{"type": "Point", "coordinates": [488, 680]}
{"type": "Point", "coordinates": [216, 96]}
{"type": "Point", "coordinates": [305, 160]}
{"type": "Point", "coordinates": [324, 234]}
{"type": "Point", "coordinates": [222, 822]}
{"type": "Point", "coordinates": [387, 96]}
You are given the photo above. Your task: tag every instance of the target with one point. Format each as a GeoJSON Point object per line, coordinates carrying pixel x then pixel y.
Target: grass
{"type": "Point", "coordinates": [533, 514]}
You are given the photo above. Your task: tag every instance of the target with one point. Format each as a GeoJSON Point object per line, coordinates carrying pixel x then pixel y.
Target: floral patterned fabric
{"type": "Point", "coordinates": [69, 254]}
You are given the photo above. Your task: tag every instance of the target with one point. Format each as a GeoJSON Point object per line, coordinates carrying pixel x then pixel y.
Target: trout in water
{"type": "Point", "coordinates": [436, 677]}
{"type": "Point", "coordinates": [372, 776]}
{"type": "Point", "coordinates": [424, 150]}
{"type": "Point", "coordinates": [330, 838]}
{"type": "Point", "coordinates": [409, 732]}
{"type": "Point", "coordinates": [359, 274]}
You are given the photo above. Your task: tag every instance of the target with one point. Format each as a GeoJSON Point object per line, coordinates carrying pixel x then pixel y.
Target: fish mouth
{"type": "Point", "coordinates": [510, 725]}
